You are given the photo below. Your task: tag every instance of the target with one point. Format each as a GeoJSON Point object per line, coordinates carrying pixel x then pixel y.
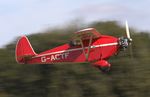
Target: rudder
{"type": "Point", "coordinates": [24, 50]}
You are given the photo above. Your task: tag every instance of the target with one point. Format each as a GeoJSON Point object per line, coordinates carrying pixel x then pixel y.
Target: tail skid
{"type": "Point", "coordinates": [24, 50]}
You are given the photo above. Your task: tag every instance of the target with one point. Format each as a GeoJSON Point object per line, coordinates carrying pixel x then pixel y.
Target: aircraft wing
{"type": "Point", "coordinates": [87, 33]}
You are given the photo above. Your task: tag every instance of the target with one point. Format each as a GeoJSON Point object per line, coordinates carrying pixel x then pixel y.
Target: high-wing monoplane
{"type": "Point", "coordinates": [88, 45]}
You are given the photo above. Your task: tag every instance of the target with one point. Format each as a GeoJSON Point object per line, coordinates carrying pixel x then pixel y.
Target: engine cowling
{"type": "Point", "coordinates": [103, 65]}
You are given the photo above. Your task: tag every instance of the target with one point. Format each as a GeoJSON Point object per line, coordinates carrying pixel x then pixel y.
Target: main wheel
{"type": "Point", "coordinates": [104, 69]}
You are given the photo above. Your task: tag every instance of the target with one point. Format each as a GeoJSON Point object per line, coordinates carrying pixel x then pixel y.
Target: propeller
{"type": "Point", "coordinates": [125, 42]}
{"type": "Point", "coordinates": [127, 32]}
{"type": "Point", "coordinates": [129, 39]}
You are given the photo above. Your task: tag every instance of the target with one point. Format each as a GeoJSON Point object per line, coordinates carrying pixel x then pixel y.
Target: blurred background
{"type": "Point", "coordinates": [50, 23]}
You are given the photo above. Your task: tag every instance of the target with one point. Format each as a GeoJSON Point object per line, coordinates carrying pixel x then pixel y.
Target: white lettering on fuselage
{"type": "Point", "coordinates": [57, 57]}
{"type": "Point", "coordinates": [43, 59]}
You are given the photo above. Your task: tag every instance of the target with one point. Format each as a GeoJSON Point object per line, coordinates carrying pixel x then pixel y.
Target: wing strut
{"type": "Point", "coordinates": [89, 47]}
{"type": "Point", "coordinates": [83, 48]}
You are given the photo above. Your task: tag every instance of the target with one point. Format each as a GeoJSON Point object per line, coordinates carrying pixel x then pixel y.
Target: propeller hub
{"type": "Point", "coordinates": [124, 42]}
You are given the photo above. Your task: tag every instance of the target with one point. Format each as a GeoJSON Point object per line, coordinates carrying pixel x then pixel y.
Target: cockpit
{"type": "Point", "coordinates": [75, 43]}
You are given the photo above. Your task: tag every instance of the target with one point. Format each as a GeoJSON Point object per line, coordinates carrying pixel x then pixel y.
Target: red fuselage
{"type": "Point", "coordinates": [100, 49]}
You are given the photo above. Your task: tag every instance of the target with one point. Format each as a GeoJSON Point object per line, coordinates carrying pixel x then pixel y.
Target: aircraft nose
{"type": "Point", "coordinates": [123, 42]}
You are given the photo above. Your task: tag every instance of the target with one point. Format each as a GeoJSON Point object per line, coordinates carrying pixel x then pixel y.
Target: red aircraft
{"type": "Point", "coordinates": [88, 46]}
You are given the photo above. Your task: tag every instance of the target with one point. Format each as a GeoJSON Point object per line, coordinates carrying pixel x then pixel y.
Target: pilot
{"type": "Point", "coordinates": [74, 43]}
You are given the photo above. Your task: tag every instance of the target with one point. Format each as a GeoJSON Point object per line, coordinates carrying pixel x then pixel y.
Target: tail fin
{"type": "Point", "coordinates": [24, 50]}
